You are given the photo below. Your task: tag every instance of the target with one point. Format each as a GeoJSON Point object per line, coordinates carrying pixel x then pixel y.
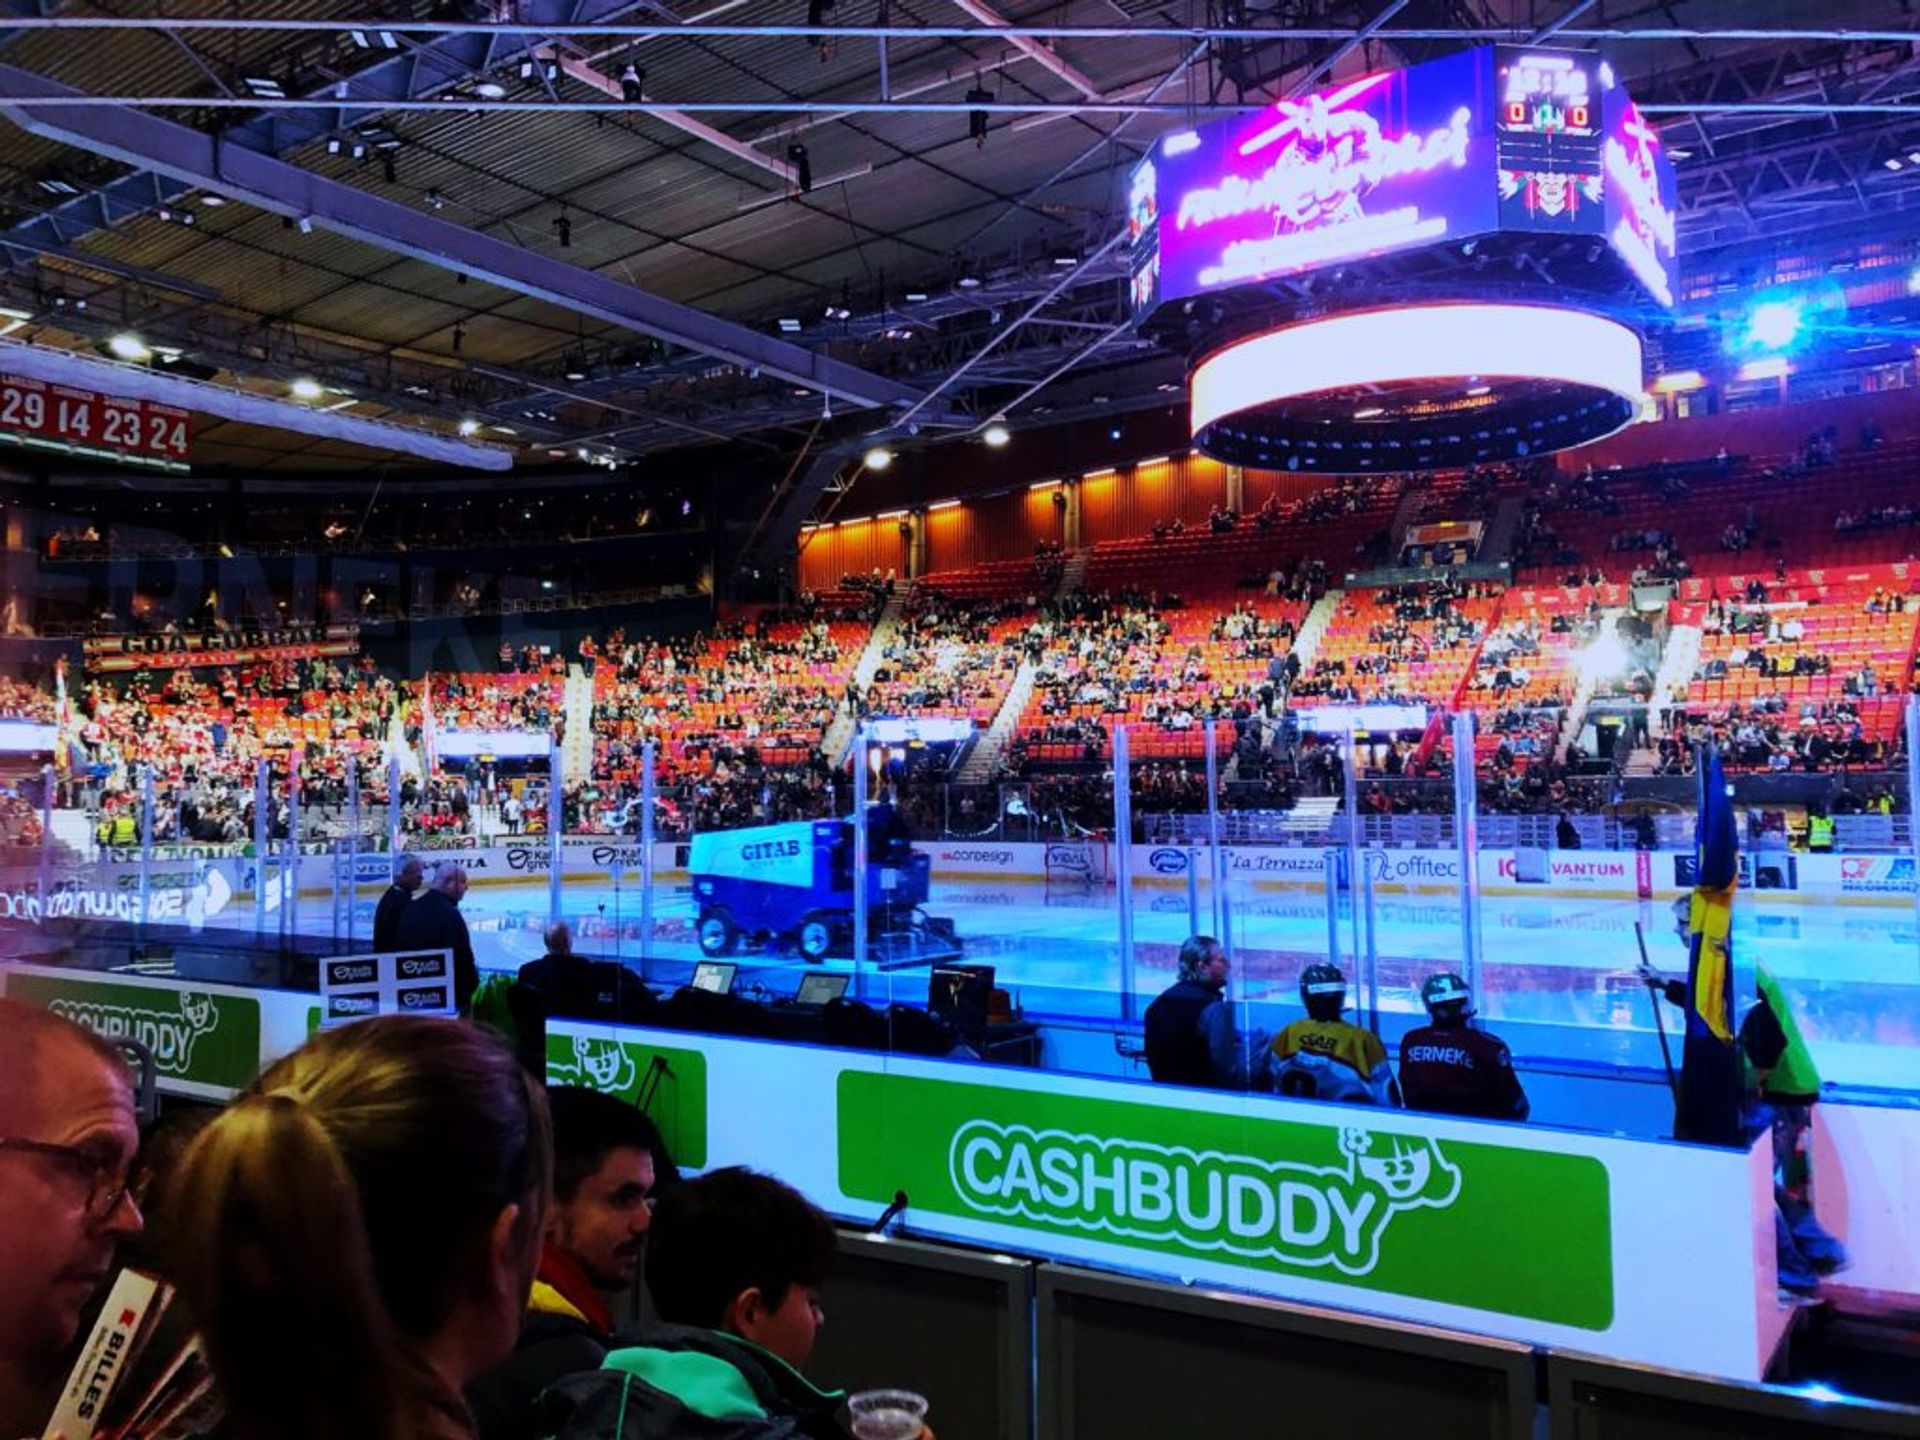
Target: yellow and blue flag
{"type": "Point", "coordinates": [1710, 1077]}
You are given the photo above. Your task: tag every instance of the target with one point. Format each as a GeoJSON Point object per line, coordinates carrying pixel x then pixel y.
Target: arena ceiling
{"type": "Point", "coordinates": [450, 211]}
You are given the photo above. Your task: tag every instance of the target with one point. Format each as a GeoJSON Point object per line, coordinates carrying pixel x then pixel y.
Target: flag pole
{"type": "Point", "coordinates": [1654, 997]}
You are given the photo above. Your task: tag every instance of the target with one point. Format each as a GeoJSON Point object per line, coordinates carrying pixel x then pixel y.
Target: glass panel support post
{"type": "Point", "coordinates": [860, 839]}
{"type": "Point", "coordinates": [1466, 830]}
{"type": "Point", "coordinates": [648, 756]}
{"type": "Point", "coordinates": [1123, 865]}
{"type": "Point", "coordinates": [146, 846]}
{"type": "Point", "coordinates": [261, 831]}
{"type": "Point", "coordinates": [555, 812]}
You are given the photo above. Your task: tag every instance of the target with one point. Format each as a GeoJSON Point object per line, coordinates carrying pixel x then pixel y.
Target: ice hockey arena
{"type": "Point", "coordinates": [1207, 715]}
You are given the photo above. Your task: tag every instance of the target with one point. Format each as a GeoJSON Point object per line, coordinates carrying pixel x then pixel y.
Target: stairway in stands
{"type": "Point", "coordinates": [1498, 544]}
{"type": "Point", "coordinates": [984, 760]}
{"type": "Point", "coordinates": [1073, 574]}
{"type": "Point", "coordinates": [1307, 643]}
{"type": "Point", "coordinates": [886, 630]}
{"type": "Point", "coordinates": [576, 751]}
{"type": "Point", "coordinates": [1575, 719]}
{"type": "Point", "coordinates": [1312, 630]}
{"type": "Point", "coordinates": [1677, 664]}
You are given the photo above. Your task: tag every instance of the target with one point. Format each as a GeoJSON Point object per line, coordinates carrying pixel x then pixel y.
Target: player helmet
{"type": "Point", "coordinates": [1323, 989]}
{"type": "Point", "coordinates": [1446, 991]}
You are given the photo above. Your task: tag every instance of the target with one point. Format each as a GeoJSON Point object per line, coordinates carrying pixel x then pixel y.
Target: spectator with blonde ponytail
{"type": "Point", "coordinates": [356, 1235]}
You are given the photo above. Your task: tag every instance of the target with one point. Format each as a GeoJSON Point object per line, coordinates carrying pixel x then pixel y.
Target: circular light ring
{"type": "Point", "coordinates": [1284, 399]}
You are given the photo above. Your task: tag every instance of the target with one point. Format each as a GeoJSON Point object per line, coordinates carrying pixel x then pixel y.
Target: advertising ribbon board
{"type": "Point", "coordinates": [1368, 1205]}
{"type": "Point", "coordinates": [204, 1042]}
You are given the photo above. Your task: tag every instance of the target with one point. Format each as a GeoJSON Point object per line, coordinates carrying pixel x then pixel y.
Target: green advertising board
{"type": "Point", "coordinates": [1517, 1231]}
{"type": "Point", "coordinates": [668, 1082]}
{"type": "Point", "coordinates": [197, 1037]}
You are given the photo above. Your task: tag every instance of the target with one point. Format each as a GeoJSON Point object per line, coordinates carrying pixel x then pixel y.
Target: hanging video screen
{"type": "Point", "coordinates": [1548, 132]}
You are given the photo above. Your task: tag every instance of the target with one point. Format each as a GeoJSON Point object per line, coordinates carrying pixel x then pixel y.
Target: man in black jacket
{"type": "Point", "coordinates": [609, 1165]}
{"type": "Point", "coordinates": [434, 922]}
{"type": "Point", "coordinates": [1191, 1039]}
{"type": "Point", "coordinates": [393, 904]}
{"type": "Point", "coordinates": [563, 985]}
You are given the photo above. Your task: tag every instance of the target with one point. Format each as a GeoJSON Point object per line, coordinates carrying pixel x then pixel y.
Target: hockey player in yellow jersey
{"type": "Point", "coordinates": [1326, 1058]}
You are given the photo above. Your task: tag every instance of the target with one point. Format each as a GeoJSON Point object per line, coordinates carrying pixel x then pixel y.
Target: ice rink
{"type": "Point", "coordinates": [1558, 981]}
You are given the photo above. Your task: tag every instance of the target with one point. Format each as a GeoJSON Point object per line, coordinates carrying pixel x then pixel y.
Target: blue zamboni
{"type": "Point", "coordinates": [792, 885]}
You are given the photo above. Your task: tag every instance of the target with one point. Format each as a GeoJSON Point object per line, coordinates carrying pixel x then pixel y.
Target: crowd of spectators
{"type": "Point", "coordinates": [22, 701]}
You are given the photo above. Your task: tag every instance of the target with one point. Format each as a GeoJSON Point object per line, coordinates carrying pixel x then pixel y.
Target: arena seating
{"type": "Point", "coordinates": [1168, 626]}
{"type": "Point", "coordinates": [953, 658]}
{"type": "Point", "coordinates": [1825, 651]}
{"type": "Point", "coordinates": [496, 702]}
{"type": "Point", "coordinates": [772, 683]}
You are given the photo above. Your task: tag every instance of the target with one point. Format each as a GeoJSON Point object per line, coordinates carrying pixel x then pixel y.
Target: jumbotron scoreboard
{"type": "Point", "coordinates": [1417, 269]}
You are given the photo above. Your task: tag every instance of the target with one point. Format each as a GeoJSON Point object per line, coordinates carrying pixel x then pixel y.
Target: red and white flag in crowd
{"type": "Point", "coordinates": [429, 741]}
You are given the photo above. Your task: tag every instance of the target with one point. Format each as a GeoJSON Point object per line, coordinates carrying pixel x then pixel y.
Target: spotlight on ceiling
{"type": "Point", "coordinates": [128, 346]}
{"type": "Point", "coordinates": [996, 435]}
{"type": "Point", "coordinates": [633, 81]}
{"type": "Point", "coordinates": [878, 458]}
{"type": "Point", "coordinates": [800, 166]}
{"type": "Point", "coordinates": [563, 231]}
{"type": "Point", "coordinates": [469, 427]}
{"type": "Point", "coordinates": [306, 389]}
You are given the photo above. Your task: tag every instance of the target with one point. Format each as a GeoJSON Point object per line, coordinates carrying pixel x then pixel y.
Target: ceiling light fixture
{"type": "Point", "coordinates": [800, 166]}
{"type": "Point", "coordinates": [128, 346]}
{"type": "Point", "coordinates": [996, 435]}
{"type": "Point", "coordinates": [633, 81]}
{"type": "Point", "coordinates": [878, 458]}
{"type": "Point", "coordinates": [306, 389]}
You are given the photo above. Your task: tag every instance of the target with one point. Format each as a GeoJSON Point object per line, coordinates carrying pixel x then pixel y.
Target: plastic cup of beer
{"type": "Point", "coordinates": [888, 1414]}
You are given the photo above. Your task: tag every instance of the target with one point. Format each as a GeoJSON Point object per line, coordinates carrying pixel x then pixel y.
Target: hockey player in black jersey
{"type": "Point", "coordinates": [1450, 1067]}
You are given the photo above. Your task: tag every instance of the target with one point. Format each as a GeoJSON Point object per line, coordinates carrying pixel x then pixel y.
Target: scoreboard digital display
{"type": "Point", "coordinates": [1494, 140]}
{"type": "Point", "coordinates": [1549, 141]}
{"type": "Point", "coordinates": [63, 418]}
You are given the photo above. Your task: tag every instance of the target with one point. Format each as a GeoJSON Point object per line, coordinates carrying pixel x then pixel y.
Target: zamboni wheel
{"type": "Point", "coordinates": [815, 935]}
{"type": "Point", "coordinates": [717, 933]}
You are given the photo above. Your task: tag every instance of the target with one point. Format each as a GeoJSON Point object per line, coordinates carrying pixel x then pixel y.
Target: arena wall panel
{"type": "Point", "coordinates": [852, 547]}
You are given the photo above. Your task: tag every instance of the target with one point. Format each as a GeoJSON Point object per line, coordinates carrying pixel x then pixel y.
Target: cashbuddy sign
{"type": "Point", "coordinates": [197, 1036]}
{"type": "Point", "coordinates": [1454, 1222]}
{"type": "Point", "coordinates": [669, 1083]}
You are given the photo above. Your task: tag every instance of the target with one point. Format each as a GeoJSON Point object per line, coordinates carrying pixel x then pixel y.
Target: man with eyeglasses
{"type": "Point", "coordinates": [67, 1140]}
{"type": "Point", "coordinates": [609, 1164]}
